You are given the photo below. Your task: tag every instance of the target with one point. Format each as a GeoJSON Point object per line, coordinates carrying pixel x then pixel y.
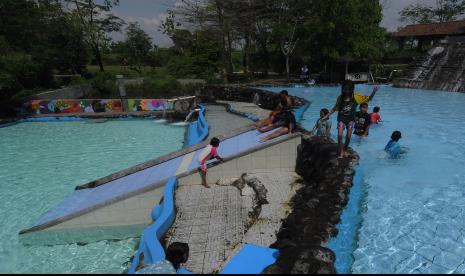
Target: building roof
{"type": "Point", "coordinates": [432, 29]}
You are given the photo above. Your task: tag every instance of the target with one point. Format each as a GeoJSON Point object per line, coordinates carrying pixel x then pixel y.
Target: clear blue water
{"type": "Point", "coordinates": [42, 162]}
{"type": "Point", "coordinates": [413, 212]}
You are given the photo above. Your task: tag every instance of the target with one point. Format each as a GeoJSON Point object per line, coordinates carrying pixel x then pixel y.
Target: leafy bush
{"type": "Point", "coordinates": [160, 85]}
{"type": "Point", "coordinates": [104, 83]}
{"type": "Point", "coordinates": [19, 71]}
{"type": "Point", "coordinates": [182, 66]}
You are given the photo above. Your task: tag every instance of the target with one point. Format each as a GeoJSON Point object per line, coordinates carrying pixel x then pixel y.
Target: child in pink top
{"type": "Point", "coordinates": [209, 153]}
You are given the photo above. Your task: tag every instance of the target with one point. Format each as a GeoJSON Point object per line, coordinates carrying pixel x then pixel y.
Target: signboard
{"type": "Point", "coordinates": [358, 77]}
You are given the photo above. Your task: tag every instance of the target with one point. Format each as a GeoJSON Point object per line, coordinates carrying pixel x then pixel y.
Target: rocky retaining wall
{"type": "Point", "coordinates": [317, 209]}
{"type": "Point", "coordinates": [267, 100]}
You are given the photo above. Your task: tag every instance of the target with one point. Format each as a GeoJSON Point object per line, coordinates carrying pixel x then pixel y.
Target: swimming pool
{"type": "Point", "coordinates": [412, 218]}
{"type": "Point", "coordinates": [42, 162]}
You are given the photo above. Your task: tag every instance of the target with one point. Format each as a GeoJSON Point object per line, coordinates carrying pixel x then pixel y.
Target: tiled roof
{"type": "Point", "coordinates": [432, 29]}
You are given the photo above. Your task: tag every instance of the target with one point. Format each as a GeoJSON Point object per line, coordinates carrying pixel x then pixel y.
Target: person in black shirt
{"type": "Point", "coordinates": [362, 121]}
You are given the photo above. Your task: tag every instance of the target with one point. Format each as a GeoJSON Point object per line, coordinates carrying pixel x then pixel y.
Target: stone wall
{"type": "Point", "coordinates": [73, 92]}
{"type": "Point", "coordinates": [239, 93]}
{"type": "Point", "coordinates": [317, 209]}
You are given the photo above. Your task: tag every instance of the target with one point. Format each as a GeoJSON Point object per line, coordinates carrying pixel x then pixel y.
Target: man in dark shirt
{"type": "Point", "coordinates": [362, 121]}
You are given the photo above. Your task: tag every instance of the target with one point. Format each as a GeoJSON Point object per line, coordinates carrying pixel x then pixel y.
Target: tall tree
{"type": "Point", "coordinates": [139, 45]}
{"type": "Point", "coordinates": [37, 39]}
{"type": "Point", "coordinates": [290, 16]}
{"type": "Point", "coordinates": [95, 20]}
{"type": "Point", "coordinates": [265, 29]}
{"type": "Point", "coordinates": [215, 17]}
{"type": "Point", "coordinates": [345, 30]}
{"type": "Point", "coordinates": [41, 37]}
{"type": "Point", "coordinates": [441, 11]}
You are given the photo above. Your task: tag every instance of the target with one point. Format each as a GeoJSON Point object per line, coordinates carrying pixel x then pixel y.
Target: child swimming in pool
{"type": "Point", "coordinates": [346, 105]}
{"type": "Point", "coordinates": [209, 153]}
{"type": "Point", "coordinates": [375, 117]}
{"type": "Point", "coordinates": [362, 121]}
{"type": "Point", "coordinates": [393, 147]}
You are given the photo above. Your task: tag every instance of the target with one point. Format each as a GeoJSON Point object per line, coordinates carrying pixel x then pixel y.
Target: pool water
{"type": "Point", "coordinates": [412, 217]}
{"type": "Point", "coordinates": [42, 162]}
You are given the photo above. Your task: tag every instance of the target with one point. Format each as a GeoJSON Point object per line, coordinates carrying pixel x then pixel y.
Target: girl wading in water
{"type": "Point", "coordinates": [346, 106]}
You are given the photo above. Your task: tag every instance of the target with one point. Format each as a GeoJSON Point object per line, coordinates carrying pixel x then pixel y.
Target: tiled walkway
{"type": "Point", "coordinates": [280, 192]}
{"type": "Point", "coordinates": [213, 221]}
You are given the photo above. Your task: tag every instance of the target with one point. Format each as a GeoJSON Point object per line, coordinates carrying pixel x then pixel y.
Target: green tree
{"type": "Point", "coordinates": [65, 45]}
{"type": "Point", "coordinates": [41, 38]}
{"type": "Point", "coordinates": [138, 45]}
{"type": "Point", "coordinates": [200, 59]}
{"type": "Point", "coordinates": [216, 18]}
{"type": "Point", "coordinates": [265, 30]}
{"type": "Point", "coordinates": [95, 20]}
{"type": "Point", "coordinates": [442, 11]}
{"type": "Point", "coordinates": [345, 30]}
{"type": "Point", "coordinates": [290, 16]}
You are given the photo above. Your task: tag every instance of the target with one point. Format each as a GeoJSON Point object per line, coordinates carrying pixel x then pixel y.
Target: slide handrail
{"type": "Point", "coordinates": [163, 216]}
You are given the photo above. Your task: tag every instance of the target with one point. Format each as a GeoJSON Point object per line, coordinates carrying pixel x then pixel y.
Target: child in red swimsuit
{"type": "Point", "coordinates": [375, 117]}
{"type": "Point", "coordinates": [209, 153]}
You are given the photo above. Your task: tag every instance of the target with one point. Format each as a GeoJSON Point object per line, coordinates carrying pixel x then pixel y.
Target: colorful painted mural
{"type": "Point", "coordinates": [149, 105]}
{"type": "Point", "coordinates": [95, 106]}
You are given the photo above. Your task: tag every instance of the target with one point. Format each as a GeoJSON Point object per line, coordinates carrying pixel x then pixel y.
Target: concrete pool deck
{"type": "Point", "coordinates": [222, 122]}
{"type": "Point", "coordinates": [247, 108]}
{"type": "Point", "coordinates": [218, 222]}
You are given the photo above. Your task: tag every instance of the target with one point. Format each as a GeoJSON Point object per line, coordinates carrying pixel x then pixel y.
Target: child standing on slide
{"type": "Point", "coordinates": [209, 153]}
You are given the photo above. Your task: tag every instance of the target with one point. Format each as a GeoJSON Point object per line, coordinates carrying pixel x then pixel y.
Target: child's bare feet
{"type": "Point", "coordinates": [206, 186]}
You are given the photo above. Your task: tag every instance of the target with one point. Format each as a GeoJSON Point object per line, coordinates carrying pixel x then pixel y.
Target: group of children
{"type": "Point", "coordinates": [282, 119]}
{"type": "Point", "coordinates": [349, 119]}
{"type": "Point", "coordinates": [353, 121]}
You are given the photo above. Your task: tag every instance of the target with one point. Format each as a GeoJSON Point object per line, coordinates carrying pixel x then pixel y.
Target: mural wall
{"type": "Point", "coordinates": [149, 105]}
{"type": "Point", "coordinates": [95, 106]}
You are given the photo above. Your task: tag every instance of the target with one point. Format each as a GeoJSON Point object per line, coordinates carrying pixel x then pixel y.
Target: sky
{"type": "Point", "coordinates": [150, 14]}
